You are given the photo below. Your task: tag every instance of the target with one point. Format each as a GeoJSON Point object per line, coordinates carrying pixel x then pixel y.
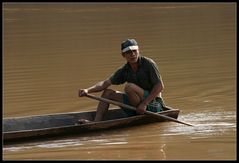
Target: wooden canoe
{"type": "Point", "coordinates": [39, 126]}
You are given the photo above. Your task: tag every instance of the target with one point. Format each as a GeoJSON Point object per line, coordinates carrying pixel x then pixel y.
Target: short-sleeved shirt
{"type": "Point", "coordinates": [145, 77]}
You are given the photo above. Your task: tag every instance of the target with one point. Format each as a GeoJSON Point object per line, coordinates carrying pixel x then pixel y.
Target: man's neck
{"type": "Point", "coordinates": [134, 66]}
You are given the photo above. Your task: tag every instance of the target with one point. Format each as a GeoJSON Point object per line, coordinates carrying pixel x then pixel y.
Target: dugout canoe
{"type": "Point", "coordinates": [40, 126]}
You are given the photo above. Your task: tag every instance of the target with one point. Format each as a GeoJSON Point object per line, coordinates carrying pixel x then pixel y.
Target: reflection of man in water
{"type": "Point", "coordinates": [162, 150]}
{"type": "Point", "coordinates": [142, 90]}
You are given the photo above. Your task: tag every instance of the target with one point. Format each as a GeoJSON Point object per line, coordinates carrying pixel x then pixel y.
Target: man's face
{"type": "Point", "coordinates": [131, 56]}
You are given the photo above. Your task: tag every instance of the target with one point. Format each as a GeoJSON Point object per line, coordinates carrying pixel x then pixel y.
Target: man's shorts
{"type": "Point", "coordinates": [155, 105]}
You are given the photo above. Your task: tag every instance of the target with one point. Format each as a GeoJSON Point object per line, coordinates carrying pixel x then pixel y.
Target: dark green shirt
{"type": "Point", "coordinates": [146, 76]}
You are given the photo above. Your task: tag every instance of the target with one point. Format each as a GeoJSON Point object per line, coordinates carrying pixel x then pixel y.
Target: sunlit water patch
{"type": "Point", "coordinates": [74, 142]}
{"type": "Point", "coordinates": [205, 124]}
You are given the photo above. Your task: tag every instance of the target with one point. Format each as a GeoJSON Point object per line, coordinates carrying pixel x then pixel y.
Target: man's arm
{"type": "Point", "coordinates": [102, 85]}
{"type": "Point", "coordinates": [157, 89]}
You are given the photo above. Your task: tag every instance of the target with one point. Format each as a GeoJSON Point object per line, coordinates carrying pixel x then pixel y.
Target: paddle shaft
{"type": "Point", "coordinates": [133, 108]}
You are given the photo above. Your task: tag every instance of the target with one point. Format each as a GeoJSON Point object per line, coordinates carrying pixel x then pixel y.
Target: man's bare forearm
{"type": "Point", "coordinates": [99, 86]}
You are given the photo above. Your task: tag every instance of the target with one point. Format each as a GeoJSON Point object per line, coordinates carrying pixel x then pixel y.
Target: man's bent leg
{"type": "Point", "coordinates": [103, 106]}
{"type": "Point", "coordinates": [135, 93]}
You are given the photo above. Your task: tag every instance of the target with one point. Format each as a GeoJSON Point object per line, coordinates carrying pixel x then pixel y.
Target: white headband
{"type": "Point", "coordinates": [135, 47]}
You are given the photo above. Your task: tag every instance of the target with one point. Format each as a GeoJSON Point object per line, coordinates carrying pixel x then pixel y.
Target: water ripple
{"type": "Point", "coordinates": [206, 124]}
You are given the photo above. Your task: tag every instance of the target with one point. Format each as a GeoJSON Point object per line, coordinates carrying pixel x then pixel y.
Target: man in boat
{"type": "Point", "coordinates": [143, 86]}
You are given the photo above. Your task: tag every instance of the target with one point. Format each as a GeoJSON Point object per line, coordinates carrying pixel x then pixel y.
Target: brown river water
{"type": "Point", "coordinates": [52, 50]}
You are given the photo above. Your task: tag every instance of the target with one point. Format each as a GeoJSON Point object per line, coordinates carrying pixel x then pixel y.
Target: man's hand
{"type": "Point", "coordinates": [141, 109]}
{"type": "Point", "coordinates": [83, 92]}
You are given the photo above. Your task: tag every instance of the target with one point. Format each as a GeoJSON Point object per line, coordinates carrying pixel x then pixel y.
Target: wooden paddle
{"type": "Point", "coordinates": [133, 108]}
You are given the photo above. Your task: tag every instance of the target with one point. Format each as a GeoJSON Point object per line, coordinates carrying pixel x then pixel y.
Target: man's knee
{"type": "Point", "coordinates": [129, 87]}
